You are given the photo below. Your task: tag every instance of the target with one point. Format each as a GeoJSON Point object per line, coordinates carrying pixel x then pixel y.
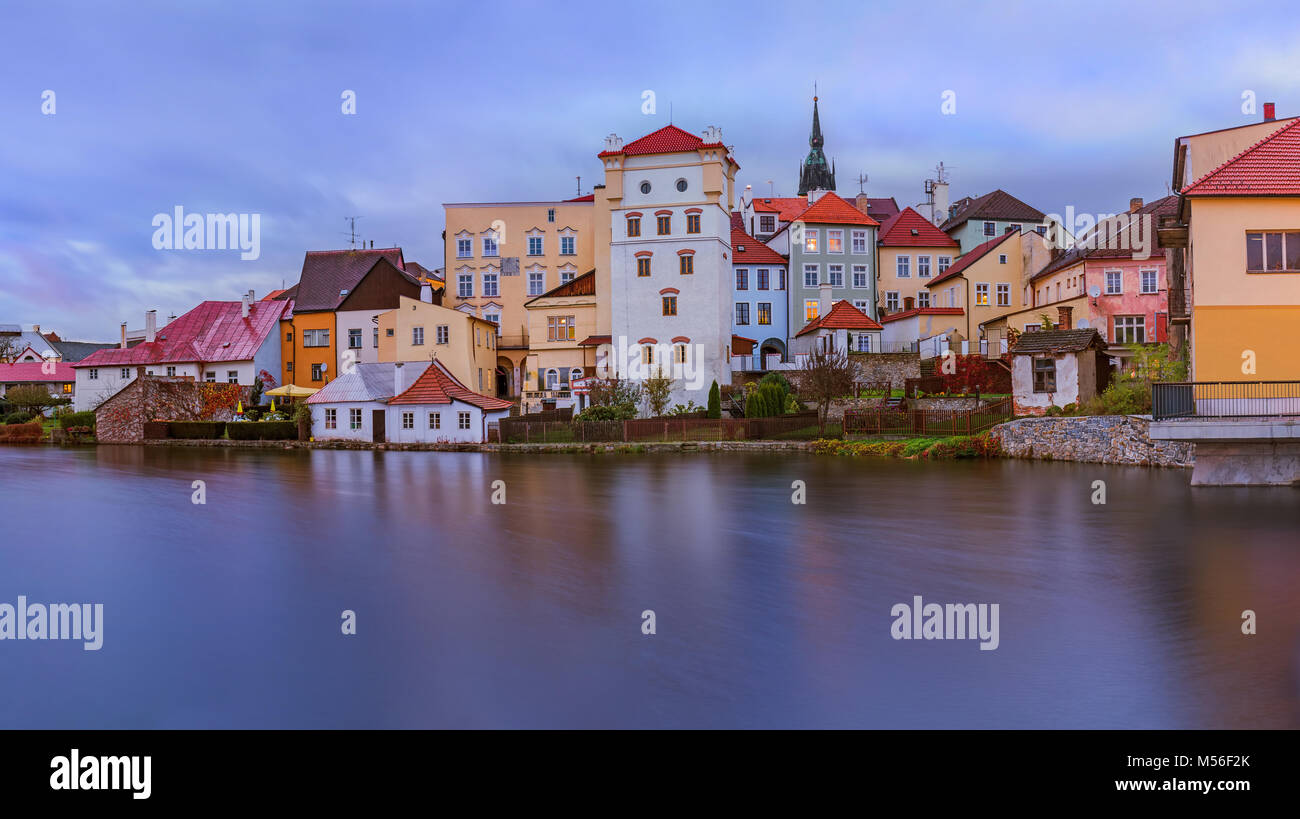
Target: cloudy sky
{"type": "Point", "coordinates": [236, 107]}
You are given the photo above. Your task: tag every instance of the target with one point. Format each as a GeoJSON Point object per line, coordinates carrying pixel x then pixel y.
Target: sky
{"type": "Point", "coordinates": [237, 107]}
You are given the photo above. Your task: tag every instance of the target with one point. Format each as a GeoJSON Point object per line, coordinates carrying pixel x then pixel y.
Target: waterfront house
{"type": "Point", "coordinates": [57, 378]}
{"type": "Point", "coordinates": [1057, 368]}
{"type": "Point", "coordinates": [831, 243]}
{"type": "Point", "coordinates": [559, 320]}
{"type": "Point", "coordinates": [912, 252]}
{"type": "Point", "coordinates": [840, 327]}
{"type": "Point", "coordinates": [400, 402]}
{"type": "Point", "coordinates": [972, 221]}
{"type": "Point", "coordinates": [422, 329]}
{"type": "Point", "coordinates": [218, 341]}
{"type": "Point", "coordinates": [759, 305]}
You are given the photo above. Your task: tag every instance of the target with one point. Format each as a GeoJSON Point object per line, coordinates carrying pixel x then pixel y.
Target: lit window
{"type": "Point", "coordinates": [834, 241]}
{"type": "Point", "coordinates": [811, 309]}
{"type": "Point", "coordinates": [764, 312]}
{"type": "Point", "coordinates": [810, 241]}
{"type": "Point", "coordinates": [981, 295]}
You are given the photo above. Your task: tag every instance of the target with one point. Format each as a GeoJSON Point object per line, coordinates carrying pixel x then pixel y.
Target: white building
{"type": "Point", "coordinates": [670, 195]}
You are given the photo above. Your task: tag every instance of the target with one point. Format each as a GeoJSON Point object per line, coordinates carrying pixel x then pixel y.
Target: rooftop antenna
{"type": "Point", "coordinates": [352, 233]}
{"type": "Point", "coordinates": [862, 181]}
{"type": "Point", "coordinates": [771, 189]}
{"type": "Point", "coordinates": [579, 185]}
{"type": "Point", "coordinates": [670, 112]}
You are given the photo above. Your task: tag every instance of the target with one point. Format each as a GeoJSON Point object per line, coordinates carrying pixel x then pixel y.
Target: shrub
{"type": "Point", "coordinates": [28, 433]}
{"type": "Point", "coordinates": [19, 417]}
{"type": "Point", "coordinates": [607, 412]}
{"type": "Point", "coordinates": [253, 414]}
{"type": "Point", "coordinates": [77, 419]}
{"type": "Point", "coordinates": [262, 431]}
{"type": "Point", "coordinates": [715, 401]}
{"type": "Point", "coordinates": [195, 429]}
{"type": "Point", "coordinates": [1128, 397]}
{"type": "Point", "coordinates": [778, 379]}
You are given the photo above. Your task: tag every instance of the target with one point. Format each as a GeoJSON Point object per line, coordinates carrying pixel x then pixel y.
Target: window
{"type": "Point", "coordinates": [550, 215]}
{"type": "Point", "coordinates": [1041, 230]}
{"type": "Point", "coordinates": [742, 313]}
{"type": "Point", "coordinates": [681, 186]}
{"type": "Point", "coordinates": [903, 267]}
{"type": "Point", "coordinates": [315, 338]}
{"type": "Point", "coordinates": [490, 284]}
{"type": "Point", "coordinates": [1272, 251]}
{"type": "Point", "coordinates": [417, 336]}
{"type": "Point", "coordinates": [1114, 282]}
{"type": "Point", "coordinates": [944, 263]}
{"type": "Point", "coordinates": [645, 187]}
{"type": "Point", "coordinates": [232, 376]}
{"type": "Point", "coordinates": [567, 246]}
{"type": "Point", "coordinates": [836, 274]}
{"type": "Point", "coordinates": [686, 264]}
{"type": "Point", "coordinates": [767, 224]}
{"type": "Point", "coordinates": [560, 328]}
{"type": "Point", "coordinates": [670, 305]}
{"type": "Point", "coordinates": [647, 354]}
{"type": "Point", "coordinates": [376, 342]}
{"type": "Point", "coordinates": [810, 241]}
{"type": "Point", "coordinates": [643, 266]}
{"type": "Point", "coordinates": [810, 275]}
{"type": "Point", "coordinates": [490, 246]}
{"type": "Point", "coordinates": [891, 301]}
{"type": "Point", "coordinates": [692, 223]}
{"type": "Point", "coordinates": [834, 241]}
{"type": "Point", "coordinates": [679, 353]}
{"type": "Point", "coordinates": [762, 278]}
{"type": "Point", "coordinates": [536, 283]}
{"type": "Point", "coordinates": [863, 341]}
{"type": "Point", "coordinates": [552, 379]}
{"type": "Point", "coordinates": [1002, 258]}
{"type": "Point", "coordinates": [495, 318]}
{"type": "Point", "coordinates": [810, 309]}
{"type": "Point", "coordinates": [465, 285]}
{"type": "Point", "coordinates": [288, 336]}
{"type": "Point", "coordinates": [1044, 372]}
{"type": "Point", "coordinates": [860, 275]}
{"type": "Point", "coordinates": [664, 225]}
{"type": "Point", "coordinates": [1014, 227]}
{"type": "Point", "coordinates": [1130, 329]}
{"type": "Point", "coordinates": [1033, 328]}
{"type": "Point", "coordinates": [781, 279]}
{"type": "Point", "coordinates": [462, 420]}
{"type": "Point", "coordinates": [742, 278]}
{"type": "Point", "coordinates": [408, 420]}
{"type": "Point", "coordinates": [354, 419]}
{"type": "Point", "coordinates": [316, 372]}
{"type": "Point", "coordinates": [923, 298]}
{"type": "Point", "coordinates": [211, 375]}
{"type": "Point", "coordinates": [435, 420]}
{"type": "Point", "coordinates": [536, 246]}
{"type": "Point", "coordinates": [923, 267]}
{"type": "Point", "coordinates": [441, 334]}
{"type": "Point", "coordinates": [859, 241]}
{"type": "Point", "coordinates": [171, 372]}
{"type": "Point", "coordinates": [480, 379]}
{"type": "Point", "coordinates": [1149, 283]}
{"type": "Point", "coordinates": [465, 248]}
{"type": "Point", "coordinates": [982, 295]}
{"type": "Point", "coordinates": [354, 339]}
{"type": "Point", "coordinates": [990, 229]}
{"type": "Point", "coordinates": [764, 312]}
{"type": "Point", "coordinates": [1004, 295]}
{"type": "Point", "coordinates": [862, 305]}
{"type": "Point", "coordinates": [331, 419]}
{"type": "Point", "coordinates": [633, 226]}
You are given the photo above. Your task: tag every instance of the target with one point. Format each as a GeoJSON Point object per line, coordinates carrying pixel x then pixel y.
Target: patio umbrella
{"type": "Point", "coordinates": [291, 391]}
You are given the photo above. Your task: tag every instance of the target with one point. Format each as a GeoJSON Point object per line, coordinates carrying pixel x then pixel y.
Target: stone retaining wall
{"type": "Point", "coordinates": [671, 446]}
{"type": "Point", "coordinates": [892, 367]}
{"type": "Point", "coordinates": [1106, 439]}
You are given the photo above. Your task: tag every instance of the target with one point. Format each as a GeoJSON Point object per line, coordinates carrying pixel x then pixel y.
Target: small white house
{"type": "Point", "coordinates": [840, 327]}
{"type": "Point", "coordinates": [407, 403]}
{"type": "Point", "coordinates": [1057, 368]}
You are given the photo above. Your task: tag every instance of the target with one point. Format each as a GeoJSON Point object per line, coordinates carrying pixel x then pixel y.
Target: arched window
{"type": "Point", "coordinates": [552, 379]}
{"type": "Point", "coordinates": [575, 374]}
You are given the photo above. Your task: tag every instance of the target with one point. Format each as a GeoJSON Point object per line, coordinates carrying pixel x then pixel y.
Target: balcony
{"type": "Point", "coordinates": [512, 342]}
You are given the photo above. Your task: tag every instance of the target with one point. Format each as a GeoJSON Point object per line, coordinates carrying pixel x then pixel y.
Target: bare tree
{"type": "Point", "coordinates": [825, 376]}
{"type": "Point", "coordinates": [8, 349]}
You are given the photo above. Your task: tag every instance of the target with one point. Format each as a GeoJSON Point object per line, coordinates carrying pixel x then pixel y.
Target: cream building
{"type": "Point", "coordinates": [420, 330]}
{"type": "Point", "coordinates": [561, 344]}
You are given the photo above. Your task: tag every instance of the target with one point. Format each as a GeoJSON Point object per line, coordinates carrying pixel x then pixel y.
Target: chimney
{"type": "Point", "coordinates": [1270, 112]}
{"type": "Point", "coordinates": [36, 328]}
{"type": "Point", "coordinates": [397, 379]}
{"type": "Point", "coordinates": [1135, 204]}
{"type": "Point", "coordinates": [824, 299]}
{"type": "Point", "coordinates": [907, 302]}
{"type": "Point", "coordinates": [939, 211]}
{"type": "Point", "coordinates": [150, 326]}
{"type": "Point", "coordinates": [861, 202]}
{"type": "Point", "coordinates": [613, 142]}
{"type": "Point", "coordinates": [1063, 318]}
{"type": "Point", "coordinates": [124, 335]}
{"type": "Point", "coordinates": [814, 195]}
{"type": "Point", "coordinates": [243, 306]}
{"type": "Point", "coordinates": [426, 293]}
{"type": "Point", "coordinates": [712, 135]}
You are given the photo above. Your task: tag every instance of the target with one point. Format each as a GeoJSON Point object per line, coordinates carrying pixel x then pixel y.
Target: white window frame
{"type": "Point", "coordinates": [816, 270]}
{"type": "Point", "coordinates": [1155, 282]}
{"type": "Point", "coordinates": [1119, 279]}
{"type": "Point", "coordinates": [812, 236]}
{"type": "Point", "coordinates": [831, 235]}
{"type": "Point", "coordinates": [859, 238]}
{"type": "Point", "coordinates": [462, 420]}
{"type": "Point", "coordinates": [1003, 295]}
{"type": "Point", "coordinates": [865, 272]}
{"type": "Point", "coordinates": [903, 266]}
{"type": "Point", "coordinates": [923, 266]}
{"type": "Point", "coordinates": [892, 300]}
{"type": "Point", "coordinates": [831, 270]}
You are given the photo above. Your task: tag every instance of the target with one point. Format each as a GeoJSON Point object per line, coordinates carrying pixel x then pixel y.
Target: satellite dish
{"type": "Point", "coordinates": [1083, 324]}
{"type": "Point", "coordinates": [1094, 291]}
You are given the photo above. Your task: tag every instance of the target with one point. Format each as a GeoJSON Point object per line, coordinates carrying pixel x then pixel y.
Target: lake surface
{"type": "Point", "coordinates": [528, 614]}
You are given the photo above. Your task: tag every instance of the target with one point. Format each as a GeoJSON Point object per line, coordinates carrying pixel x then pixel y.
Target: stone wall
{"type": "Point", "coordinates": [1107, 439]}
{"type": "Point", "coordinates": [892, 367]}
{"type": "Point", "coordinates": [121, 418]}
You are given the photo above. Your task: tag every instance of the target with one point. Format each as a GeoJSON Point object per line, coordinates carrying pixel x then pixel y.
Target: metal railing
{"type": "Point", "coordinates": [1224, 399]}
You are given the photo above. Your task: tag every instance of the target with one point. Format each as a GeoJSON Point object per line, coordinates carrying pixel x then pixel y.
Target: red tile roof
{"type": "Point", "coordinates": [667, 140]}
{"type": "Point", "coordinates": [745, 249]}
{"type": "Point", "coordinates": [213, 331]}
{"type": "Point", "coordinates": [594, 341]}
{"type": "Point", "coordinates": [969, 258]}
{"type": "Point", "coordinates": [923, 311]}
{"type": "Point", "coordinates": [833, 210]}
{"type": "Point", "coordinates": [1270, 167]}
{"type": "Point", "coordinates": [590, 197]}
{"type": "Point", "coordinates": [842, 316]}
{"type": "Point", "coordinates": [437, 386]}
{"type": "Point", "coordinates": [26, 372]}
{"type": "Point", "coordinates": [911, 229]}
{"type": "Point", "coordinates": [787, 208]}
{"type": "Point", "coordinates": [274, 293]}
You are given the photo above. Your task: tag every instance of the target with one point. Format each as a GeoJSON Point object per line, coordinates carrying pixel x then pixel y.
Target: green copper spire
{"type": "Point", "coordinates": [815, 172]}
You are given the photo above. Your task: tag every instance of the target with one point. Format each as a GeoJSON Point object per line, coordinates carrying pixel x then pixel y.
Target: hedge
{"type": "Point", "coordinates": [77, 419]}
{"type": "Point", "coordinates": [21, 433]}
{"type": "Point", "coordinates": [195, 429]}
{"type": "Point", "coordinates": [18, 417]}
{"type": "Point", "coordinates": [262, 431]}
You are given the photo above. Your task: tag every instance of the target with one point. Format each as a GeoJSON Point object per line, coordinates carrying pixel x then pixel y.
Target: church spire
{"type": "Point", "coordinates": [815, 172]}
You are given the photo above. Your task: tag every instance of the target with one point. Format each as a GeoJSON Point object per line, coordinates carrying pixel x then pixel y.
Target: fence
{"type": "Point", "coordinates": [649, 430]}
{"type": "Point", "coordinates": [1224, 399]}
{"type": "Point", "coordinates": [925, 423]}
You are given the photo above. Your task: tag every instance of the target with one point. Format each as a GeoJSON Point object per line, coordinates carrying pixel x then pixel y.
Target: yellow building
{"type": "Point", "coordinates": [911, 253]}
{"type": "Point", "coordinates": [501, 254]}
{"type": "Point", "coordinates": [1243, 260]}
{"type": "Point", "coordinates": [561, 343]}
{"type": "Point", "coordinates": [989, 281]}
{"type": "Point", "coordinates": [422, 331]}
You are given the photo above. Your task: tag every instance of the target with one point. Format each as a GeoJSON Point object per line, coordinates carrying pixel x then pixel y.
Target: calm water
{"type": "Point", "coordinates": [471, 614]}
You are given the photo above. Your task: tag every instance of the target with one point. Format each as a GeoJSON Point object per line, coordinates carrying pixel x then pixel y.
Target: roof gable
{"type": "Point", "coordinates": [667, 140]}
{"type": "Point", "coordinates": [911, 229]}
{"type": "Point", "coordinates": [841, 316]}
{"type": "Point", "coordinates": [967, 259]}
{"type": "Point", "coordinates": [212, 332]}
{"type": "Point", "coordinates": [438, 386]}
{"type": "Point", "coordinates": [327, 273]}
{"type": "Point", "coordinates": [1058, 341]}
{"type": "Point", "coordinates": [745, 249]}
{"type": "Point", "coordinates": [996, 204]}
{"type": "Point", "coordinates": [1270, 167]}
{"type": "Point", "coordinates": [833, 210]}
